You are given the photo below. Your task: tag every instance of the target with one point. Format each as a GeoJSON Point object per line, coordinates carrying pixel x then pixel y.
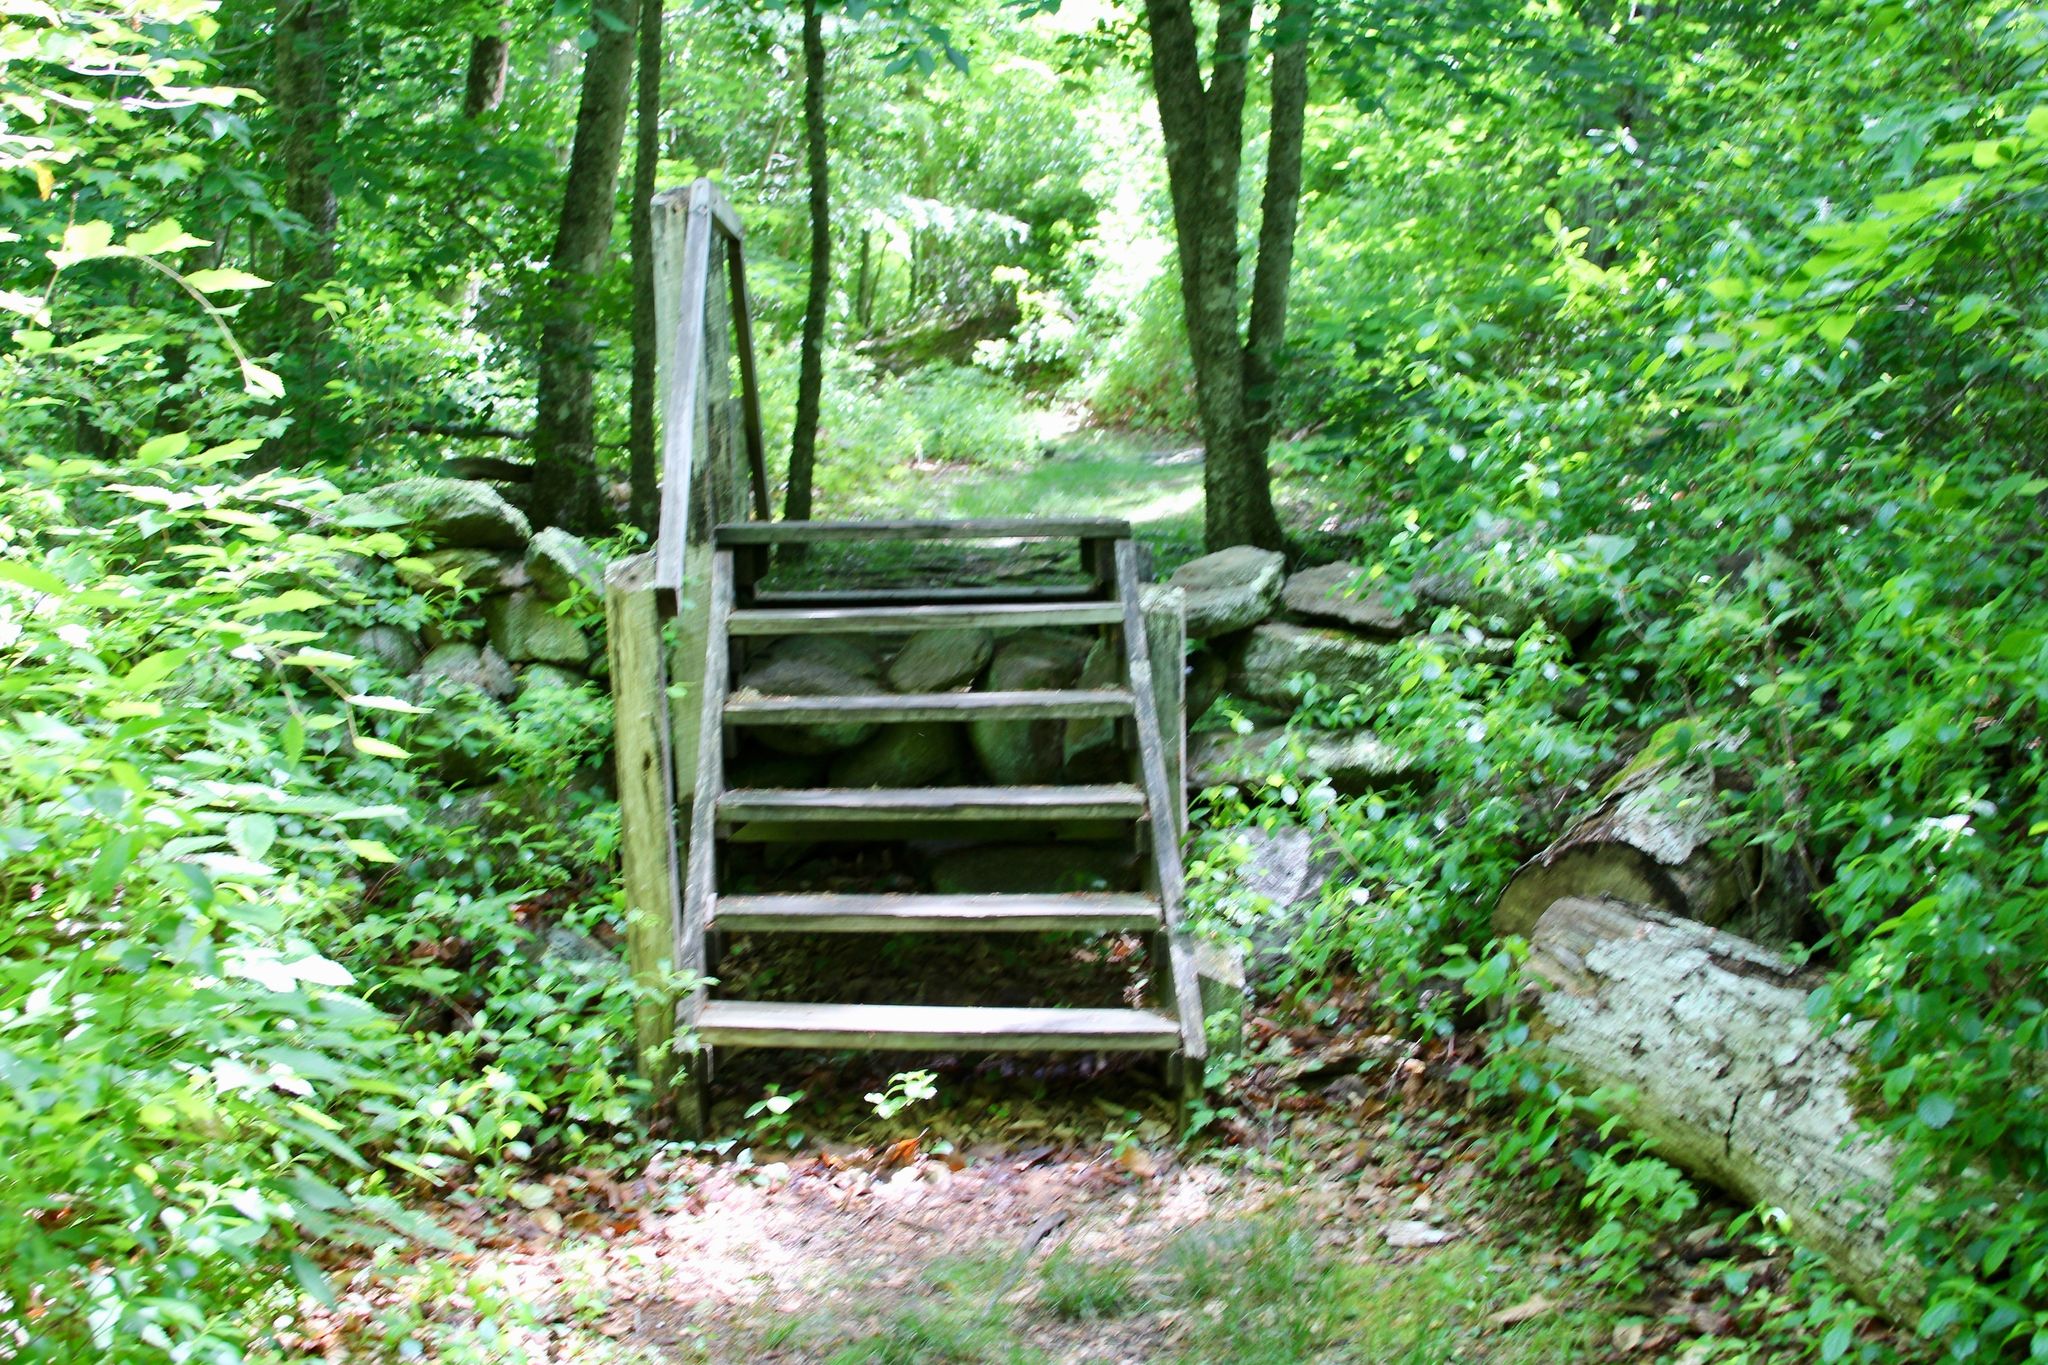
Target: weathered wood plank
{"type": "Point", "coordinates": [792, 804]}
{"type": "Point", "coordinates": [701, 879]}
{"type": "Point", "coordinates": [870, 620]}
{"type": "Point", "coordinates": [1020, 592]}
{"type": "Point", "coordinates": [988, 528]}
{"type": "Point", "coordinates": [1186, 992]}
{"type": "Point", "coordinates": [1104, 703]}
{"type": "Point", "coordinates": [647, 810]}
{"type": "Point", "coordinates": [753, 1023]}
{"type": "Point", "coordinates": [1166, 645]}
{"type": "Point", "coordinates": [898, 913]}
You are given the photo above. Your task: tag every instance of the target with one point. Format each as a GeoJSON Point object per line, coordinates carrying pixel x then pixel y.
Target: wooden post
{"type": "Point", "coordinates": [1166, 641]}
{"type": "Point", "coordinates": [647, 811]}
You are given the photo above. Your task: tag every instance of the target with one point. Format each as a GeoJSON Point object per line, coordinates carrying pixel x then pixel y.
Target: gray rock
{"type": "Point", "coordinates": [564, 944]}
{"type": "Point", "coordinates": [433, 513]}
{"type": "Point", "coordinates": [1091, 751]}
{"type": "Point", "coordinates": [467, 570]}
{"type": "Point", "coordinates": [390, 646]}
{"type": "Point", "coordinates": [559, 564]}
{"type": "Point", "coordinates": [899, 756]}
{"type": "Point", "coordinates": [525, 629]}
{"type": "Point", "coordinates": [940, 659]}
{"type": "Point", "coordinates": [1279, 878]}
{"type": "Point", "coordinates": [1230, 590]}
{"type": "Point", "coordinates": [542, 677]}
{"type": "Point", "coordinates": [1027, 752]}
{"type": "Point", "coordinates": [1339, 593]}
{"type": "Point", "coordinates": [812, 666]}
{"type": "Point", "coordinates": [460, 667]}
{"type": "Point", "coordinates": [1354, 761]}
{"type": "Point", "coordinates": [1507, 575]}
{"type": "Point", "coordinates": [1208, 675]}
{"type": "Point", "coordinates": [1276, 653]}
{"type": "Point", "coordinates": [1002, 869]}
{"type": "Point", "coordinates": [1220, 971]}
{"type": "Point", "coordinates": [456, 630]}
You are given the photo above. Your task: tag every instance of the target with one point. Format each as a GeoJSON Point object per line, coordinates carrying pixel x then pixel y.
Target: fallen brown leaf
{"type": "Point", "coordinates": [1535, 1306]}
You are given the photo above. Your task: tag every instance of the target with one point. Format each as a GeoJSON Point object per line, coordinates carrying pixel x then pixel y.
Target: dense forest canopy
{"type": "Point", "coordinates": [1729, 316]}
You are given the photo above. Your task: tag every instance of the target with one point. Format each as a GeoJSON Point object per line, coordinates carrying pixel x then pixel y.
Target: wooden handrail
{"type": "Point", "coordinates": [687, 223]}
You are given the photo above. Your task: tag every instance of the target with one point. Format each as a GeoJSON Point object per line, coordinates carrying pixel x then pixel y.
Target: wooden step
{"type": "Point", "coordinates": [1094, 704]}
{"type": "Point", "coordinates": [931, 616]}
{"type": "Point", "coordinates": [1015, 592]}
{"type": "Point", "coordinates": [760, 1023]}
{"type": "Point", "coordinates": [862, 914]}
{"type": "Point", "coordinates": [820, 805]}
{"type": "Point", "coordinates": [987, 528]}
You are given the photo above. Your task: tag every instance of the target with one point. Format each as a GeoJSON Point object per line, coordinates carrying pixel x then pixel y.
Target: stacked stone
{"type": "Point", "coordinates": [462, 537]}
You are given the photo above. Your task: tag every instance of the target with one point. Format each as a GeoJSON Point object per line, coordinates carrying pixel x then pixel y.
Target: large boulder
{"type": "Point", "coordinates": [899, 756]}
{"type": "Point", "coordinates": [1230, 590]}
{"type": "Point", "coordinates": [812, 666]}
{"type": "Point", "coordinates": [1276, 653]}
{"type": "Point", "coordinates": [393, 648]}
{"type": "Point", "coordinates": [1272, 881]}
{"type": "Point", "coordinates": [1508, 574]}
{"type": "Point", "coordinates": [1354, 761]}
{"type": "Point", "coordinates": [1008, 869]}
{"type": "Point", "coordinates": [463, 570]}
{"type": "Point", "coordinates": [1028, 752]}
{"type": "Point", "coordinates": [454, 668]}
{"type": "Point", "coordinates": [939, 660]}
{"type": "Point", "coordinates": [525, 628]}
{"type": "Point", "coordinates": [559, 564]}
{"type": "Point", "coordinates": [1341, 595]}
{"type": "Point", "coordinates": [435, 513]}
{"type": "Point", "coordinates": [1091, 751]}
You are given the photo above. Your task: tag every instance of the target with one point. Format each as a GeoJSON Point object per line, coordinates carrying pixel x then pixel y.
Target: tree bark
{"type": "Point", "coordinates": [490, 64]}
{"type": "Point", "coordinates": [1702, 1043]}
{"type": "Point", "coordinates": [1647, 839]}
{"type": "Point", "coordinates": [810, 383]}
{"type": "Point", "coordinates": [1203, 128]}
{"type": "Point", "coordinates": [640, 440]}
{"type": "Point", "coordinates": [308, 35]}
{"type": "Point", "coordinates": [565, 484]}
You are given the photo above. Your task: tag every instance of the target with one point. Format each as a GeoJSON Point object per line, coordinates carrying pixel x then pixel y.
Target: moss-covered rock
{"type": "Point", "coordinates": [436, 513]}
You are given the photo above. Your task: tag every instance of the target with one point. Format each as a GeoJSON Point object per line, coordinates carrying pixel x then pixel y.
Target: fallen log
{"type": "Point", "coordinates": [1702, 1041]}
{"type": "Point", "coordinates": [1646, 840]}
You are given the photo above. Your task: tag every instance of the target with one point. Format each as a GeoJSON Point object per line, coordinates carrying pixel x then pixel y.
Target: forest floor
{"type": "Point", "coordinates": [1340, 1202]}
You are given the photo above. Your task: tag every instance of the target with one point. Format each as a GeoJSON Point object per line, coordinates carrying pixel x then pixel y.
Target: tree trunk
{"type": "Point", "coordinates": [810, 382]}
{"type": "Point", "coordinates": [1279, 216]}
{"type": "Point", "coordinates": [640, 439]}
{"type": "Point", "coordinates": [1203, 128]}
{"type": "Point", "coordinates": [309, 34]}
{"type": "Point", "coordinates": [1702, 1043]}
{"type": "Point", "coordinates": [565, 486]}
{"type": "Point", "coordinates": [1646, 840]}
{"type": "Point", "coordinates": [490, 64]}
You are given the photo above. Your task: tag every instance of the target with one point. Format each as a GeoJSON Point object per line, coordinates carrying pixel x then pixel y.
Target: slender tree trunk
{"type": "Point", "coordinates": [1279, 216]}
{"type": "Point", "coordinates": [1203, 128]}
{"type": "Point", "coordinates": [308, 36]}
{"type": "Point", "coordinates": [565, 485]}
{"type": "Point", "coordinates": [490, 64]}
{"type": "Point", "coordinates": [640, 440]}
{"type": "Point", "coordinates": [810, 383]}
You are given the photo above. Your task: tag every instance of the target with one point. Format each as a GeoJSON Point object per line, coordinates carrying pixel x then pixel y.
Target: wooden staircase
{"type": "Point", "coordinates": [682, 618]}
{"type": "Point", "coordinates": [1145, 807]}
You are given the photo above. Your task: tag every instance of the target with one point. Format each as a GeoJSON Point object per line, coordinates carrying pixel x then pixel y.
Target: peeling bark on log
{"type": "Point", "coordinates": [1703, 1037]}
{"type": "Point", "coordinates": [1646, 842]}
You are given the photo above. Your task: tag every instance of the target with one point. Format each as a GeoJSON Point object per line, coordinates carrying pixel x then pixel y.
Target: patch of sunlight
{"type": "Point", "coordinates": [1177, 503]}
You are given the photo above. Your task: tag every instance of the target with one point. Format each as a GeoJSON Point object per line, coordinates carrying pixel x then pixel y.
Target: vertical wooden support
{"type": "Point", "coordinates": [647, 811]}
{"type": "Point", "coordinates": [1184, 988]}
{"type": "Point", "coordinates": [1166, 642]}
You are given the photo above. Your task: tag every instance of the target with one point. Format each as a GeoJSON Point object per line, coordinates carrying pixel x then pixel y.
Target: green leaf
{"type": "Point", "coordinates": [1837, 1342]}
{"type": "Point", "coordinates": [1936, 1111]}
{"type": "Point", "coordinates": [85, 242]}
{"type": "Point", "coordinates": [160, 448]}
{"type": "Point", "coordinates": [163, 237]}
{"type": "Point", "coordinates": [252, 834]}
{"type": "Point", "coordinates": [370, 850]}
{"type": "Point", "coordinates": [29, 576]}
{"type": "Point", "coordinates": [387, 704]}
{"type": "Point", "coordinates": [377, 748]}
{"type": "Point", "coordinates": [225, 281]}
{"type": "Point", "coordinates": [312, 1281]}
